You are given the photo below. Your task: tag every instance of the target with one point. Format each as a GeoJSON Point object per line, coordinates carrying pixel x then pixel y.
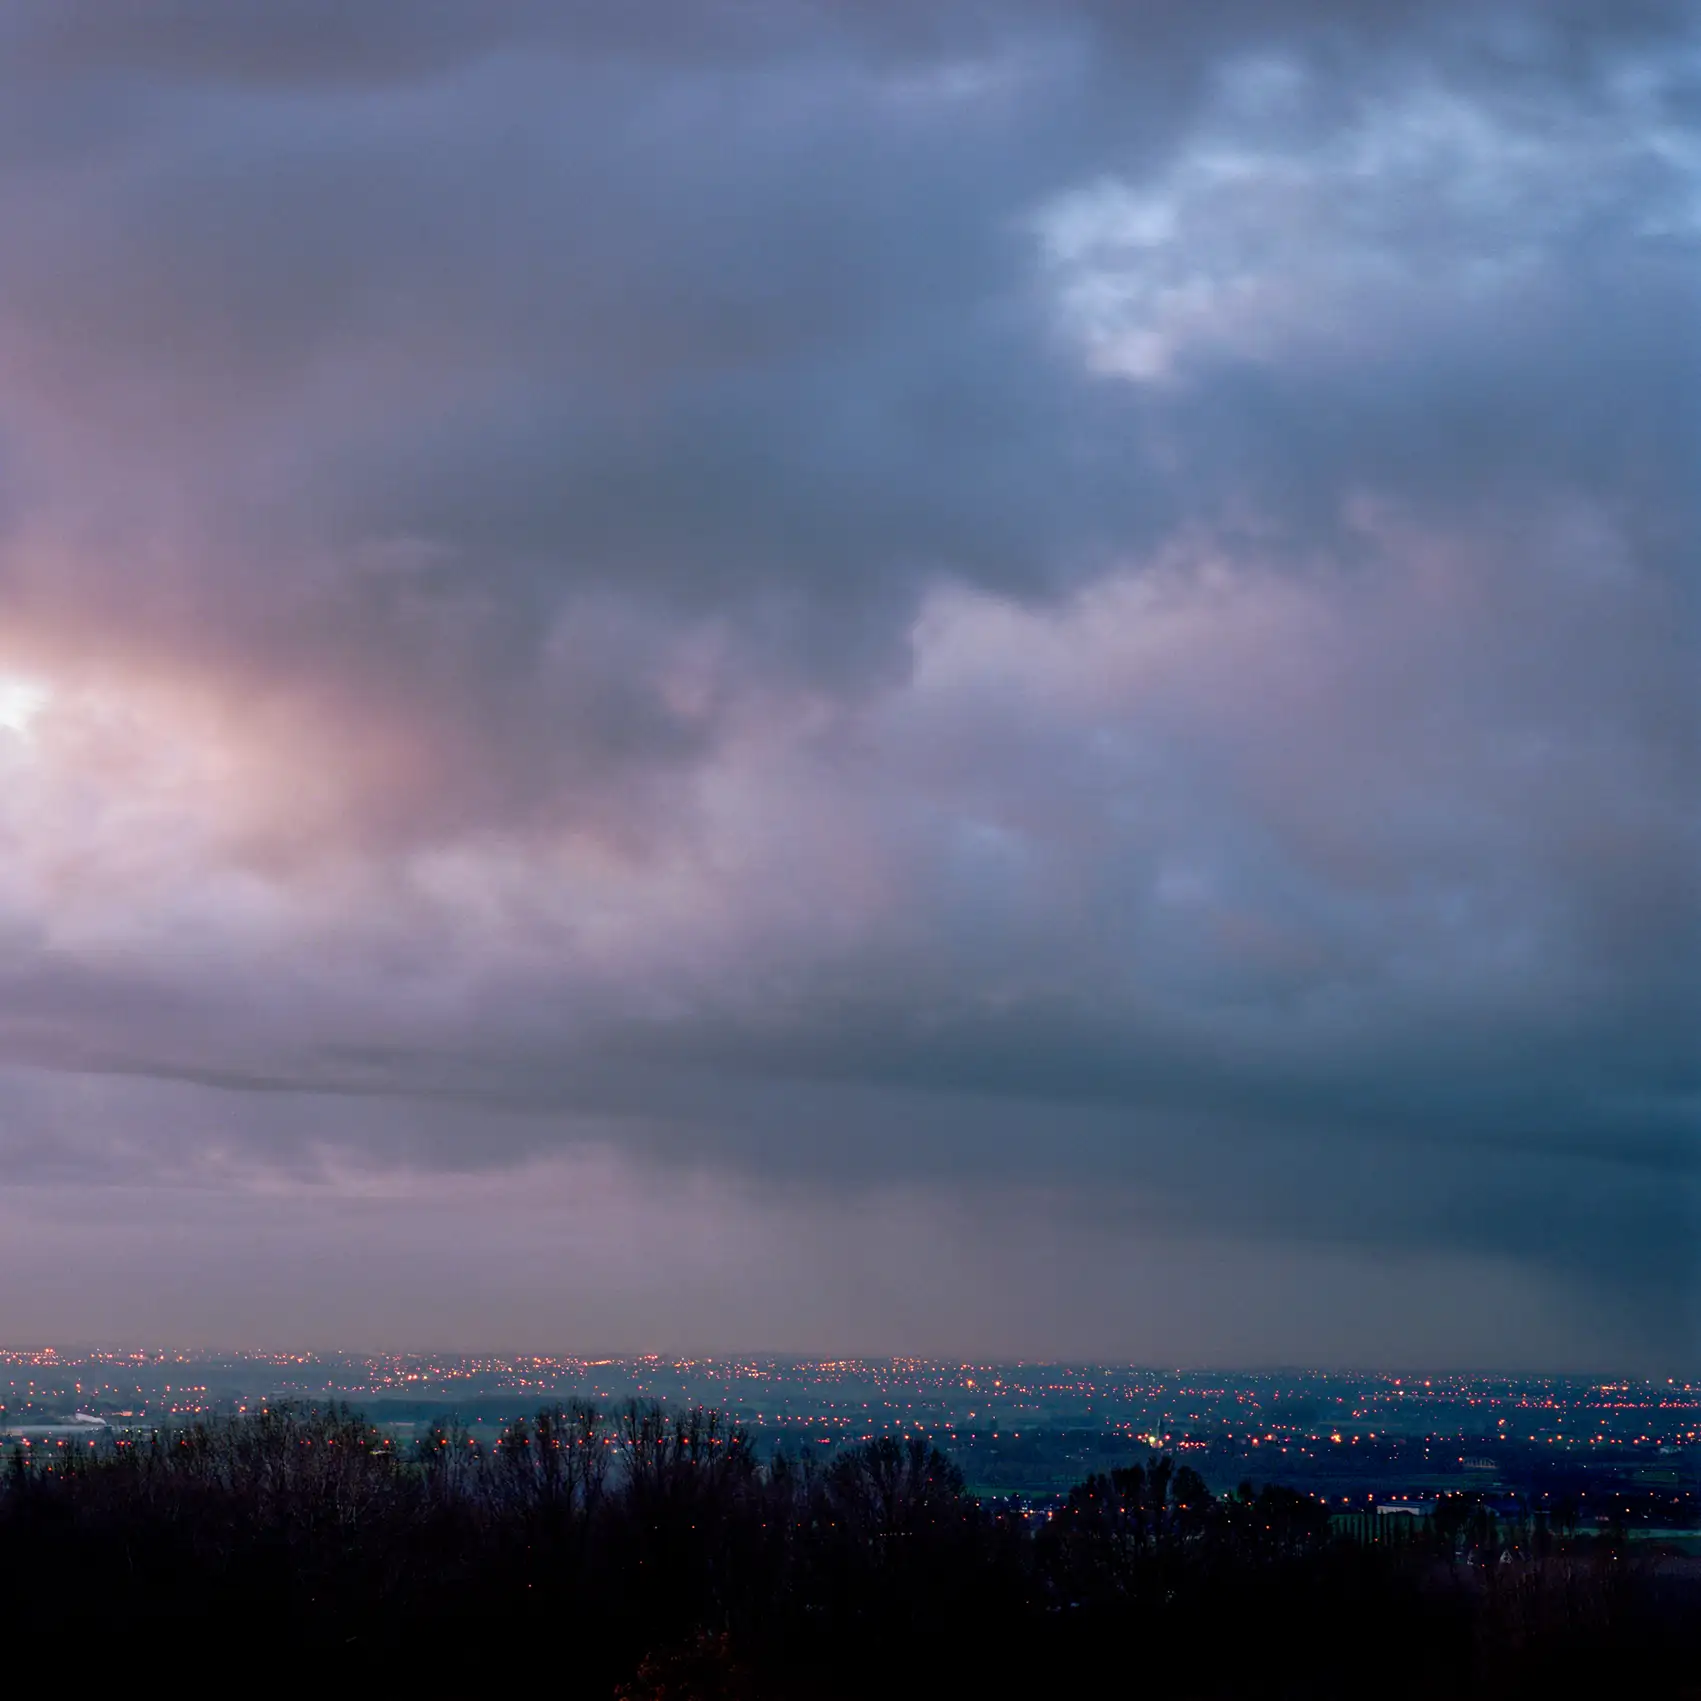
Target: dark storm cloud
{"type": "Point", "coordinates": [1091, 598]}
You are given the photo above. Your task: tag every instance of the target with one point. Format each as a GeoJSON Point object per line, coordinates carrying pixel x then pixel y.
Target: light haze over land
{"type": "Point", "coordinates": [989, 679]}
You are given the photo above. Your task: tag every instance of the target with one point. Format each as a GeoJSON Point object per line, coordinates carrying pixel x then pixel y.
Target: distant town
{"type": "Point", "coordinates": [1599, 1453]}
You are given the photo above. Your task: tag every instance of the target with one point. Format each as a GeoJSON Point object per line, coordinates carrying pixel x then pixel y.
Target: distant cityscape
{"type": "Point", "coordinates": [1619, 1452]}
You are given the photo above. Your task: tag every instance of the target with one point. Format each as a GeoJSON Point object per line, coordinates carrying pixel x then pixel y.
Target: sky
{"type": "Point", "coordinates": [992, 677]}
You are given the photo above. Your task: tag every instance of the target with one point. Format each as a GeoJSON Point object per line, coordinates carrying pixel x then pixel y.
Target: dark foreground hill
{"type": "Point", "coordinates": [655, 1555]}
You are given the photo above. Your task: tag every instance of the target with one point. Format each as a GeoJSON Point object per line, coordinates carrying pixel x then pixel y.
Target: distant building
{"type": "Point", "coordinates": [1389, 1524]}
{"type": "Point", "coordinates": [83, 1427]}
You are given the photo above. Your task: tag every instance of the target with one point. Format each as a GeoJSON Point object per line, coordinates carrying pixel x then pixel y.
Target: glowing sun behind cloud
{"type": "Point", "coordinates": [21, 701]}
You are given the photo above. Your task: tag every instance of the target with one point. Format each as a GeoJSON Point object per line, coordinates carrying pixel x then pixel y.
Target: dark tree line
{"type": "Point", "coordinates": [648, 1554]}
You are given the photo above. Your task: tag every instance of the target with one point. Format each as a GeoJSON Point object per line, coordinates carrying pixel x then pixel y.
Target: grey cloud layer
{"type": "Point", "coordinates": [1083, 596]}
